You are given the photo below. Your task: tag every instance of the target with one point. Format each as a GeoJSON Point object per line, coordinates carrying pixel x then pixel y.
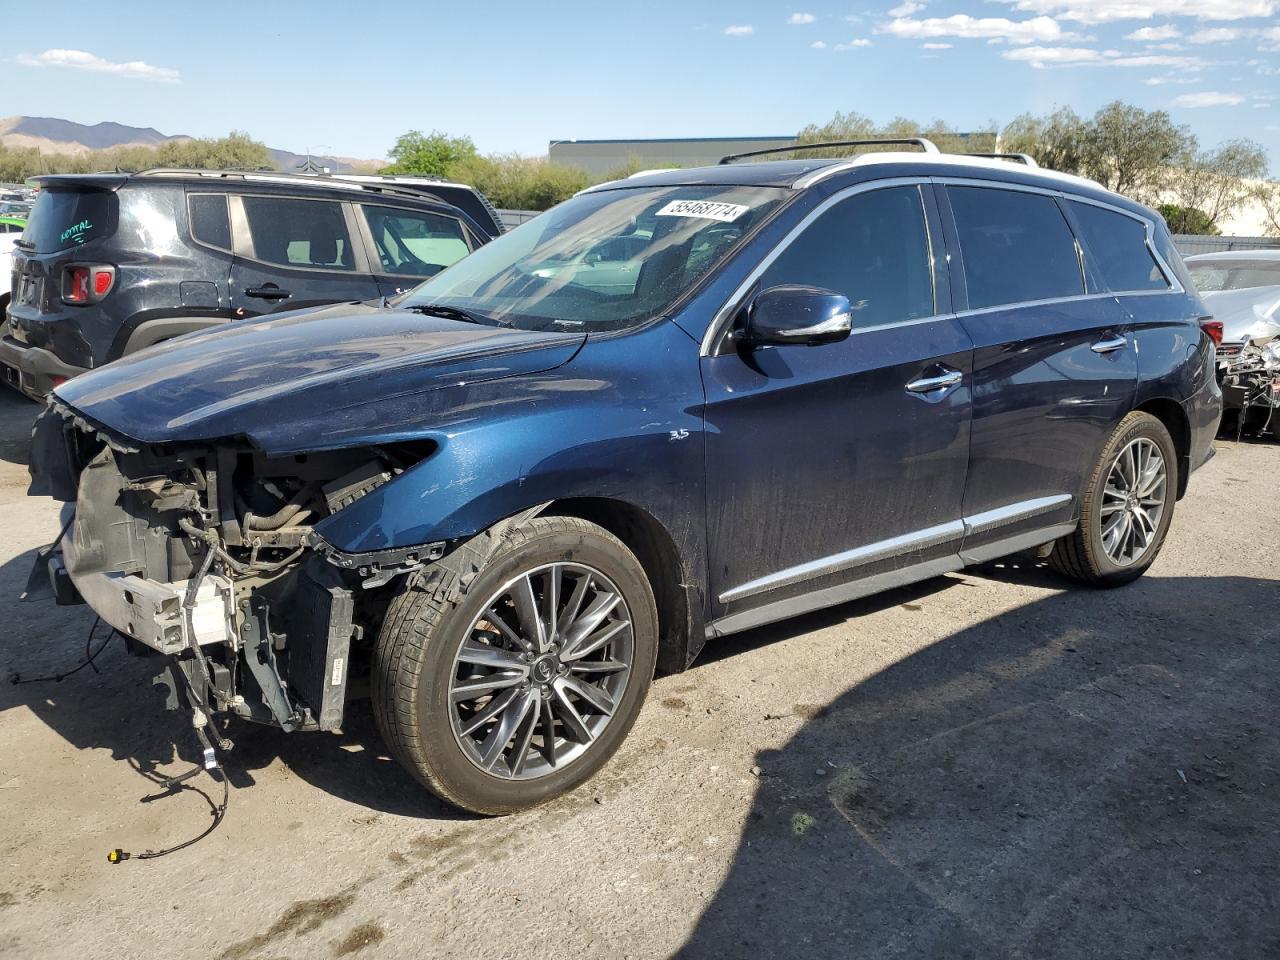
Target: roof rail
{"type": "Point", "coordinates": [352, 182]}
{"type": "Point", "coordinates": [1019, 157]}
{"type": "Point", "coordinates": [925, 145]}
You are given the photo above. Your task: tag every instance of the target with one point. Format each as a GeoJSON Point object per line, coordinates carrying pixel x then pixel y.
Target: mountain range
{"type": "Point", "coordinates": [52, 135]}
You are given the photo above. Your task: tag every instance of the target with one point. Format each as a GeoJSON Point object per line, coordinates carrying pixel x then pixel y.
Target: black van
{"type": "Point", "coordinates": [112, 263]}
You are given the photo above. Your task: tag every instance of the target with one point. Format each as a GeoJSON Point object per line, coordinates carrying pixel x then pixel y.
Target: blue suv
{"type": "Point", "coordinates": [674, 407]}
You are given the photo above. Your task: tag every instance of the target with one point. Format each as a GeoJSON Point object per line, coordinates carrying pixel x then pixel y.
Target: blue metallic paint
{"type": "Point", "coordinates": [751, 462]}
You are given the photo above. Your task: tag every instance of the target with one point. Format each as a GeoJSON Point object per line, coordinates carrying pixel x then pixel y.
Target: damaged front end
{"type": "Point", "coordinates": [206, 554]}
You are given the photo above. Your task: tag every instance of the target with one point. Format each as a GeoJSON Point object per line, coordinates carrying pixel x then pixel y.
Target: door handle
{"type": "Point", "coordinates": [268, 292]}
{"type": "Point", "coordinates": [943, 380]}
{"type": "Point", "coordinates": [1110, 345]}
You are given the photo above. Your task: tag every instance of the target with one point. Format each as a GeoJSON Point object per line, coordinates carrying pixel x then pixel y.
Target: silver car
{"type": "Point", "coordinates": [1242, 288]}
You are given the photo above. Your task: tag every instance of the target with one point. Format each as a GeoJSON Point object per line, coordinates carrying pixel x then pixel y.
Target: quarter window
{"type": "Point", "coordinates": [873, 248]}
{"type": "Point", "coordinates": [415, 244]}
{"type": "Point", "coordinates": [209, 223]}
{"type": "Point", "coordinates": [1016, 246]}
{"type": "Point", "coordinates": [299, 233]}
{"type": "Point", "coordinates": [1119, 248]}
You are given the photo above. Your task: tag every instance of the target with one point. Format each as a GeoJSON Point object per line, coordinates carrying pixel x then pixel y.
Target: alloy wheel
{"type": "Point", "coordinates": [541, 670]}
{"type": "Point", "coordinates": [1133, 501]}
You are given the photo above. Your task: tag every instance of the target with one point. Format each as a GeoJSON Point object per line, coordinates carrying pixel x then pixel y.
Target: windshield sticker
{"type": "Point", "coordinates": [705, 209]}
{"type": "Point", "coordinates": [76, 232]}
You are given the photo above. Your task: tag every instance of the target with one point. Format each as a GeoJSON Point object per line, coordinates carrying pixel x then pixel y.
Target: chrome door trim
{"type": "Point", "coordinates": [896, 546]}
{"type": "Point", "coordinates": [1013, 512]}
{"type": "Point", "coordinates": [716, 329]}
{"type": "Point", "coordinates": [882, 549]}
{"type": "Point", "coordinates": [853, 589]}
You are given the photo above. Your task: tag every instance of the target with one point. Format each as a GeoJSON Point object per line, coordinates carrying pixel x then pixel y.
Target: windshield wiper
{"type": "Point", "coordinates": [455, 313]}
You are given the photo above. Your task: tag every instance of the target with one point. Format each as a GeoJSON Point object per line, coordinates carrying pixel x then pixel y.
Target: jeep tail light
{"type": "Point", "coordinates": [1214, 329]}
{"type": "Point", "coordinates": [87, 282]}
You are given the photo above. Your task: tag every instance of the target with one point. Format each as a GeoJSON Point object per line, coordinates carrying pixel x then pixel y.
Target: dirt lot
{"type": "Point", "coordinates": [986, 765]}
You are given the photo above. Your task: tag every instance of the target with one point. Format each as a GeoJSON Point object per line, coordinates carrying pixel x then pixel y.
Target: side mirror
{"type": "Point", "coordinates": [797, 315]}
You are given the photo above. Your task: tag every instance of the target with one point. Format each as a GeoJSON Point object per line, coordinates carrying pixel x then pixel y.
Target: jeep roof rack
{"type": "Point", "coordinates": [1026, 158]}
{"type": "Point", "coordinates": [925, 145]}
{"type": "Point", "coordinates": [339, 182]}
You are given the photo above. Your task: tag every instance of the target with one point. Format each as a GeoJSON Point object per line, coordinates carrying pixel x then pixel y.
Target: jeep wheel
{"type": "Point", "coordinates": [510, 671]}
{"type": "Point", "coordinates": [1127, 507]}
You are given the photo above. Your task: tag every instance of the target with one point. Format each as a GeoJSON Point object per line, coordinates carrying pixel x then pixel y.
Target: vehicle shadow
{"type": "Point", "coordinates": [1094, 774]}
{"type": "Point", "coordinates": [122, 710]}
{"type": "Point", "coordinates": [17, 413]}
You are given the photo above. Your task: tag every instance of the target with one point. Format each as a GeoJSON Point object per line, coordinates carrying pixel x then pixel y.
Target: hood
{"type": "Point", "coordinates": [1248, 314]}
{"type": "Point", "coordinates": [255, 377]}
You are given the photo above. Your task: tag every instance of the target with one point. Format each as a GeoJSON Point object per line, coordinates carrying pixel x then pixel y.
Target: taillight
{"type": "Point", "coordinates": [1213, 328]}
{"type": "Point", "coordinates": [87, 282]}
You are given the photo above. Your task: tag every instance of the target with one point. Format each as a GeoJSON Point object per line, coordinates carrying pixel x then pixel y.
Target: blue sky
{"type": "Point", "coordinates": [513, 76]}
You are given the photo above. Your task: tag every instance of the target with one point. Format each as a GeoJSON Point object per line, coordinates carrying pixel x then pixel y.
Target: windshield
{"type": "Point", "coordinates": [601, 261]}
{"type": "Point", "coordinates": [1234, 275]}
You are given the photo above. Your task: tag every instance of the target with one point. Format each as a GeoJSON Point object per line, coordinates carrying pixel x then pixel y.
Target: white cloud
{"type": "Point", "coordinates": [906, 8]}
{"type": "Point", "coordinates": [1165, 81]}
{"type": "Point", "coordinates": [739, 30]}
{"type": "Point", "coordinates": [80, 60]}
{"type": "Point", "coordinates": [853, 44]}
{"type": "Point", "coordinates": [1208, 99]}
{"type": "Point", "coordinates": [936, 46]}
{"type": "Point", "coordinates": [963, 25]}
{"type": "Point", "coordinates": [1152, 34]}
{"type": "Point", "coordinates": [1216, 35]}
{"type": "Point", "coordinates": [819, 45]}
{"type": "Point", "coordinates": [1040, 57]}
{"type": "Point", "coordinates": [800, 19]}
{"type": "Point", "coordinates": [1107, 11]}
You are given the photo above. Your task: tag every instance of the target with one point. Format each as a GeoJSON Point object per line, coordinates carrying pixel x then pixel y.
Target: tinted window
{"type": "Point", "coordinates": [873, 248]}
{"type": "Point", "coordinates": [416, 244]}
{"type": "Point", "coordinates": [209, 222]}
{"type": "Point", "coordinates": [299, 233]}
{"type": "Point", "coordinates": [1118, 245]}
{"type": "Point", "coordinates": [1016, 246]}
{"type": "Point", "coordinates": [65, 218]}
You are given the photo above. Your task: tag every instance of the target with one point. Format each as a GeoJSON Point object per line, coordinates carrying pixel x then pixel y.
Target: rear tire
{"type": "Point", "coordinates": [1127, 507]}
{"type": "Point", "coordinates": [461, 626]}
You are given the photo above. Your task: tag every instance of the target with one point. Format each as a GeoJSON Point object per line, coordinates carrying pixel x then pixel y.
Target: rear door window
{"type": "Point", "coordinates": [62, 219]}
{"type": "Point", "coordinates": [414, 243]}
{"type": "Point", "coordinates": [209, 223]}
{"type": "Point", "coordinates": [1118, 248]}
{"type": "Point", "coordinates": [1017, 247]}
{"type": "Point", "coordinates": [299, 233]}
{"type": "Point", "coordinates": [873, 248]}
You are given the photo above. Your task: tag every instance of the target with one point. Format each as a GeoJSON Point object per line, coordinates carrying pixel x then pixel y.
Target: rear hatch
{"type": "Point", "coordinates": [69, 223]}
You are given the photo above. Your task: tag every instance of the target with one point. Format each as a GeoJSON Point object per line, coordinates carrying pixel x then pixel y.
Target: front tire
{"type": "Point", "coordinates": [1127, 507]}
{"type": "Point", "coordinates": [510, 672]}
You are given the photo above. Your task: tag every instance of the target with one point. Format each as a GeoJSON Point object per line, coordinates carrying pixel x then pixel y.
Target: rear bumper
{"type": "Point", "coordinates": [31, 369]}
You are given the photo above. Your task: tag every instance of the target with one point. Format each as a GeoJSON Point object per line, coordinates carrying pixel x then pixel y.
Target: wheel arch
{"type": "Point", "coordinates": [679, 615]}
{"type": "Point", "coordinates": [1170, 413]}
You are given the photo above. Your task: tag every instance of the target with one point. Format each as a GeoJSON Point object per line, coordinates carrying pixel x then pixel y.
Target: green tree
{"type": "Point", "coordinates": [1187, 220]}
{"type": "Point", "coordinates": [1130, 150]}
{"type": "Point", "coordinates": [1217, 182]}
{"type": "Point", "coordinates": [431, 154]}
{"type": "Point", "coordinates": [1055, 141]}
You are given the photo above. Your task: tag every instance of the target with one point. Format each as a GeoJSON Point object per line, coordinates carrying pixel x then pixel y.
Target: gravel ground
{"type": "Point", "coordinates": [986, 765]}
